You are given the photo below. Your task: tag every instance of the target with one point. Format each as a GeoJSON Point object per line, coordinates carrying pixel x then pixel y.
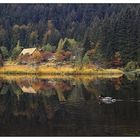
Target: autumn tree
{"type": "Point", "coordinates": [59, 57]}
{"type": "Point", "coordinates": [15, 34]}
{"type": "Point", "coordinates": [132, 65]}
{"type": "Point", "coordinates": [117, 61]}
{"type": "Point", "coordinates": [86, 59]}
{"type": "Point", "coordinates": [4, 52]}
{"type": "Point", "coordinates": [2, 35]}
{"type": "Point", "coordinates": [45, 37]}
{"type": "Point", "coordinates": [24, 35]}
{"type": "Point", "coordinates": [52, 35]}
{"type": "Point", "coordinates": [68, 55]}
{"type": "Point", "coordinates": [61, 44]}
{"type": "Point", "coordinates": [45, 56]}
{"type": "Point", "coordinates": [47, 48]}
{"type": "Point", "coordinates": [116, 27]}
{"type": "Point", "coordinates": [1, 59]}
{"type": "Point", "coordinates": [16, 51]}
{"type": "Point", "coordinates": [33, 38]}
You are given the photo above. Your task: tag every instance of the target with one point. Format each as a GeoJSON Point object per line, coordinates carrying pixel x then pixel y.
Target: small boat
{"type": "Point", "coordinates": [107, 100]}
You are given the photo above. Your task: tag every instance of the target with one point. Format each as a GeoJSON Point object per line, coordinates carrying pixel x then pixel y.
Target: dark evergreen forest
{"type": "Point", "coordinates": [109, 28]}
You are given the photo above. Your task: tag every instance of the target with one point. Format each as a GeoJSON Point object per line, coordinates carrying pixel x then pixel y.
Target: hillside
{"type": "Point", "coordinates": [107, 35]}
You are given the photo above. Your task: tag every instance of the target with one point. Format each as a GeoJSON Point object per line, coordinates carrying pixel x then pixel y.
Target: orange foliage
{"type": "Point", "coordinates": [46, 55]}
{"type": "Point", "coordinates": [91, 52]}
{"type": "Point", "coordinates": [117, 61]}
{"type": "Point", "coordinates": [63, 55]}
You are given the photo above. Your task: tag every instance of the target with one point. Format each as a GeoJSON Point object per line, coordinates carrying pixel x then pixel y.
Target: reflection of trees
{"type": "Point", "coordinates": [29, 106]}
{"type": "Point", "coordinates": [37, 106]}
{"type": "Point", "coordinates": [89, 85]}
{"type": "Point", "coordinates": [45, 108]}
{"type": "Point", "coordinates": [8, 97]}
{"type": "Point", "coordinates": [13, 101]}
{"type": "Point", "coordinates": [44, 103]}
{"type": "Point", "coordinates": [46, 87]}
{"type": "Point", "coordinates": [60, 94]}
{"type": "Point", "coordinates": [61, 87]}
{"type": "Point", "coordinates": [117, 83]}
{"type": "Point", "coordinates": [50, 92]}
{"type": "Point", "coordinates": [76, 94]}
{"type": "Point", "coordinates": [4, 89]}
{"type": "Point", "coordinates": [15, 89]}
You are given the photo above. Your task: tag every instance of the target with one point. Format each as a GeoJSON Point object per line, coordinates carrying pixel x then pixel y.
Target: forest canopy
{"type": "Point", "coordinates": [108, 29]}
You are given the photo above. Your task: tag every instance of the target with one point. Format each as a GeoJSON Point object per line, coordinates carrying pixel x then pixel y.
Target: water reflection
{"type": "Point", "coordinates": [69, 106]}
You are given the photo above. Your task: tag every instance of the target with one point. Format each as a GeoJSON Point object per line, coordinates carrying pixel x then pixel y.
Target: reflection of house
{"type": "Point", "coordinates": [28, 51]}
{"type": "Point", "coordinates": [47, 87]}
{"type": "Point", "coordinates": [34, 86]}
{"type": "Point", "coordinates": [28, 89]}
{"type": "Point", "coordinates": [29, 86]}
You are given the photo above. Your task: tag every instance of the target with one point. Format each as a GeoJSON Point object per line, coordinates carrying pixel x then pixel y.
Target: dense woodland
{"type": "Point", "coordinates": [104, 34]}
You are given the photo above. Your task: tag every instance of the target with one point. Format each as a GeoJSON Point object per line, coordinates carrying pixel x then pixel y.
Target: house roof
{"type": "Point", "coordinates": [27, 51]}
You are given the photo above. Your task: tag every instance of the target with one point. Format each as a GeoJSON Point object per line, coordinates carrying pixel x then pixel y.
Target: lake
{"type": "Point", "coordinates": [69, 106]}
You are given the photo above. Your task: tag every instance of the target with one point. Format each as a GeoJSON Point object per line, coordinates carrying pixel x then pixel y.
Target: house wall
{"type": "Point", "coordinates": [33, 58]}
{"type": "Point", "coordinates": [36, 56]}
{"type": "Point", "coordinates": [36, 53]}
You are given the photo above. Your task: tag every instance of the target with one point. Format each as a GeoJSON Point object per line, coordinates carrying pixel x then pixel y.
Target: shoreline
{"type": "Point", "coordinates": [65, 77]}
{"type": "Point", "coordinates": [45, 70]}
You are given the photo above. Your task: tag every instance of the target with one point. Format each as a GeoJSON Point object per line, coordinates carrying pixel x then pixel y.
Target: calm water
{"type": "Point", "coordinates": [69, 107]}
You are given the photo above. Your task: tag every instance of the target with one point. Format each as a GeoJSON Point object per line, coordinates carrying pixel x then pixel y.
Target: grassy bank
{"type": "Point", "coordinates": [24, 69]}
{"type": "Point", "coordinates": [13, 77]}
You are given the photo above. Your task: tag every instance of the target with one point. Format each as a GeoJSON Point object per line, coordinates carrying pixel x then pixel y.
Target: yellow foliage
{"type": "Point", "coordinates": [63, 70]}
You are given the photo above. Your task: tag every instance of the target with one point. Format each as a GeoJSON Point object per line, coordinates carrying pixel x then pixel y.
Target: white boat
{"type": "Point", "coordinates": [107, 100]}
